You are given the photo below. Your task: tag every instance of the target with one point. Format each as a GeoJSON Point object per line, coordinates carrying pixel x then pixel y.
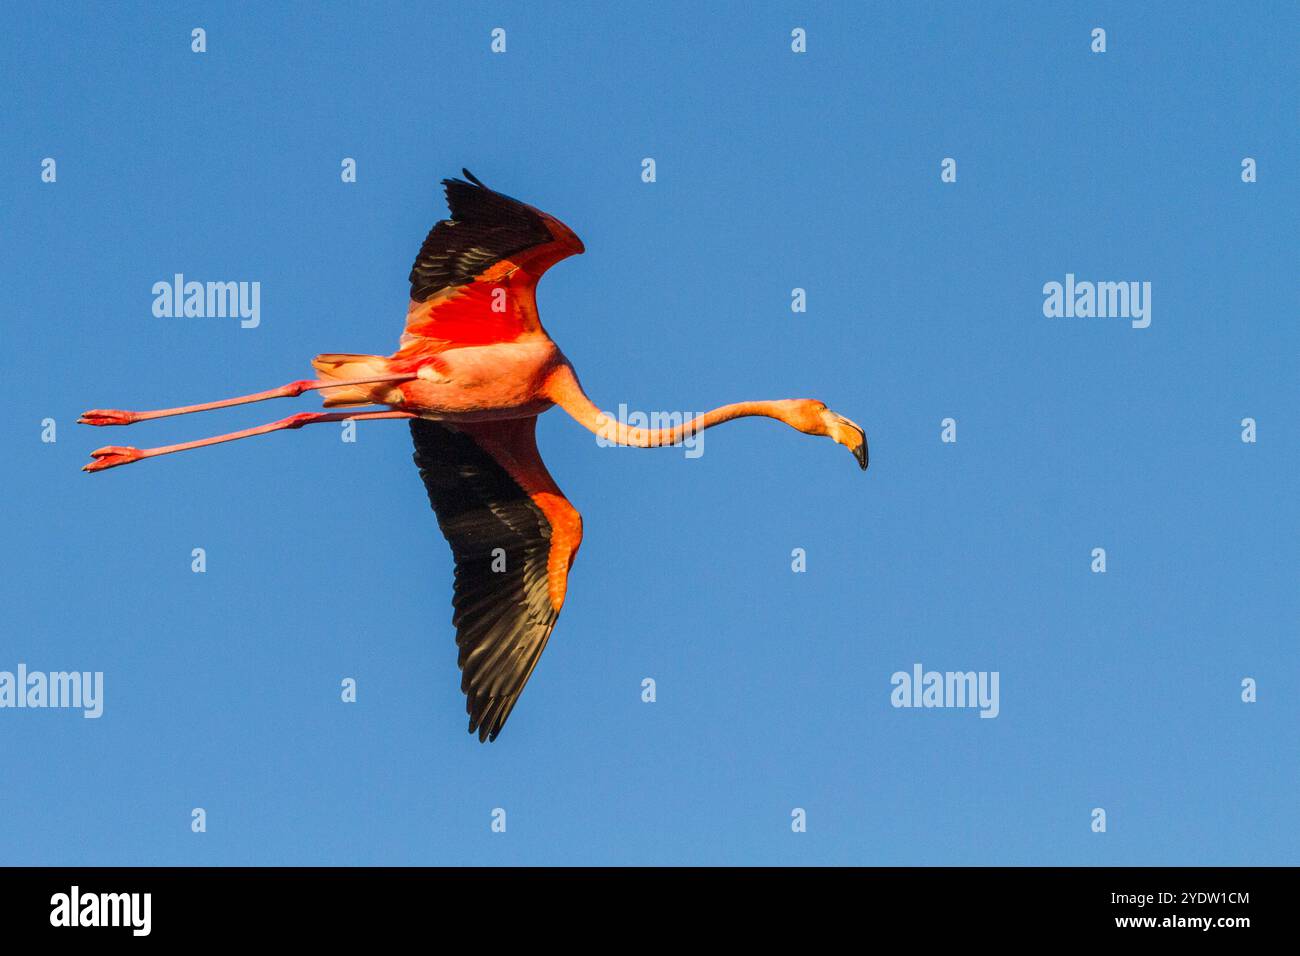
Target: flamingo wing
{"type": "Point", "coordinates": [513, 535]}
{"type": "Point", "coordinates": [473, 281]}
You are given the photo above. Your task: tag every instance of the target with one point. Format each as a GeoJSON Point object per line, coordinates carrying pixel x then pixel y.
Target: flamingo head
{"type": "Point", "coordinates": [814, 418]}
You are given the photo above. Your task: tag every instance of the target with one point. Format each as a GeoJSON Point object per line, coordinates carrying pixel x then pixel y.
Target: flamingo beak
{"type": "Point", "coordinates": [860, 451]}
{"type": "Point", "coordinates": [849, 434]}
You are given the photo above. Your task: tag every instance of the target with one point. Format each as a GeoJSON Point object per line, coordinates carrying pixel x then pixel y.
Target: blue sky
{"type": "Point", "coordinates": [775, 170]}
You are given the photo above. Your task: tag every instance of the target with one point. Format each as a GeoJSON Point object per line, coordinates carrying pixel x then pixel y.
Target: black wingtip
{"type": "Point", "coordinates": [472, 178]}
{"type": "Point", "coordinates": [483, 730]}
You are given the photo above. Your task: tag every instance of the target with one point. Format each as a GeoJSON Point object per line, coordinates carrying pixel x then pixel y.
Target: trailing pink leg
{"type": "Point", "coordinates": [111, 456]}
{"type": "Point", "coordinates": [114, 416]}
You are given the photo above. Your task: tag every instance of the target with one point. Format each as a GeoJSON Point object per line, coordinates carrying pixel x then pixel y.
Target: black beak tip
{"type": "Point", "coordinates": [860, 451]}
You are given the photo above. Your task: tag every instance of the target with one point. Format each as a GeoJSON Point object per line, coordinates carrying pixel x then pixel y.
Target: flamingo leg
{"type": "Point", "coordinates": [111, 456]}
{"type": "Point", "coordinates": [114, 416]}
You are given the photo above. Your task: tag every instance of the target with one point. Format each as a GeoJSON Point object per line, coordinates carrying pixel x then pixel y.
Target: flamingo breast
{"type": "Point", "coordinates": [484, 382]}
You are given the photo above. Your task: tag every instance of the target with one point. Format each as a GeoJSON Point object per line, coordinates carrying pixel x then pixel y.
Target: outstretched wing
{"type": "Point", "coordinates": [485, 227]}
{"type": "Point", "coordinates": [513, 535]}
{"type": "Point", "coordinates": [491, 242]}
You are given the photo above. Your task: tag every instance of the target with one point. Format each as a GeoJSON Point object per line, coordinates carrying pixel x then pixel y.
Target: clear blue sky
{"type": "Point", "coordinates": [775, 171]}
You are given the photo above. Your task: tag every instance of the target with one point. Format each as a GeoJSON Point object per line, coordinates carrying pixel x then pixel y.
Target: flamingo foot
{"type": "Point", "coordinates": [107, 416]}
{"type": "Point", "coordinates": [110, 456]}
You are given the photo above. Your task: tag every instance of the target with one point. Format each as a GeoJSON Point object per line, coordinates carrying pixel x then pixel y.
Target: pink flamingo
{"type": "Point", "coordinates": [473, 371]}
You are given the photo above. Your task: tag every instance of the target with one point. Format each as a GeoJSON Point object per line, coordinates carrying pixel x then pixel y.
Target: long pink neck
{"type": "Point", "coordinates": [564, 390]}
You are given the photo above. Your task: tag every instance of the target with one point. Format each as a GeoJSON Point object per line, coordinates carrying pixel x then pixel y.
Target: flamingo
{"type": "Point", "coordinates": [473, 370]}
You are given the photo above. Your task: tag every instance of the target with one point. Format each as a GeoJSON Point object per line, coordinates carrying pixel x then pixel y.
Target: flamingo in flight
{"type": "Point", "coordinates": [473, 370]}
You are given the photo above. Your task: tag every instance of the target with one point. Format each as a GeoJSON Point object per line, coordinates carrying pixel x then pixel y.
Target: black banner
{"type": "Point", "coordinates": [235, 904]}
